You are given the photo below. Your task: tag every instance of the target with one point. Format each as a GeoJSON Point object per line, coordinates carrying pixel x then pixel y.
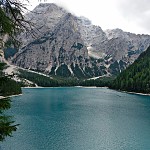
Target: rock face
{"type": "Point", "coordinates": [116, 48]}
{"type": "Point", "coordinates": [94, 37]}
{"type": "Point", "coordinates": [57, 51]}
{"type": "Point", "coordinates": [60, 51]}
{"type": "Point", "coordinates": [128, 45]}
{"type": "Point", "coordinates": [43, 18]}
{"type": "Point", "coordinates": [3, 39]}
{"type": "Point", "coordinates": [67, 45]}
{"type": "Point", "coordinates": [1, 56]}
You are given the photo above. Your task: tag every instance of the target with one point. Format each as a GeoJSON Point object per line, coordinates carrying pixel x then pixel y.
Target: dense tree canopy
{"type": "Point", "coordinates": [56, 81]}
{"type": "Point", "coordinates": [136, 78]}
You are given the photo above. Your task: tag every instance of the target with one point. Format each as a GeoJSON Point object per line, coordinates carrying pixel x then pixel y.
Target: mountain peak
{"type": "Point", "coordinates": [114, 33]}
{"type": "Point", "coordinates": [46, 4]}
{"type": "Point", "coordinates": [84, 20]}
{"type": "Point", "coordinates": [44, 7]}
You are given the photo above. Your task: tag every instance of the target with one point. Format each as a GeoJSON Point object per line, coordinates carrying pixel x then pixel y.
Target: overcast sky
{"type": "Point", "coordinates": [128, 15]}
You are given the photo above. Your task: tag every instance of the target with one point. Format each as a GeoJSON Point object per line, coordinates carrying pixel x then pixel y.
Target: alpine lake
{"type": "Point", "coordinates": [77, 118]}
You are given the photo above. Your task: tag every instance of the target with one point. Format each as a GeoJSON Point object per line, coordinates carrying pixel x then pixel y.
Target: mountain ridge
{"type": "Point", "coordinates": [108, 52]}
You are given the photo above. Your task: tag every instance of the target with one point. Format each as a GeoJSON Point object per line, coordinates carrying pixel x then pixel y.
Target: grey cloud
{"type": "Point", "coordinates": [137, 11]}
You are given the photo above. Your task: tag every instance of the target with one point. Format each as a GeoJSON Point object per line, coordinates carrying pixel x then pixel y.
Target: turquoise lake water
{"type": "Point", "coordinates": [79, 119]}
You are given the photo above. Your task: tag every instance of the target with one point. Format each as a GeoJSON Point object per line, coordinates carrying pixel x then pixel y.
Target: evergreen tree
{"type": "Point", "coordinates": [7, 126]}
{"type": "Point", "coordinates": [12, 20]}
{"type": "Point", "coordinates": [11, 23]}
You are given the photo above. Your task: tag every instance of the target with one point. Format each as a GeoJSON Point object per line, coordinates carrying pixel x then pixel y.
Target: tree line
{"type": "Point", "coordinates": [54, 81]}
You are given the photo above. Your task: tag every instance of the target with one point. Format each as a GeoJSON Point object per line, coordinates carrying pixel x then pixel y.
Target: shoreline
{"type": "Point", "coordinates": [135, 93]}
{"type": "Point", "coordinates": [15, 95]}
{"type": "Point", "coordinates": [89, 87]}
{"type": "Point", "coordinates": [143, 94]}
{"type": "Point", "coordinates": [3, 97]}
{"type": "Point", "coordinates": [64, 87]}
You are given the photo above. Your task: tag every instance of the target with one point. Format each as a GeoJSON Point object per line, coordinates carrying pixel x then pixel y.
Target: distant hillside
{"type": "Point", "coordinates": [136, 78]}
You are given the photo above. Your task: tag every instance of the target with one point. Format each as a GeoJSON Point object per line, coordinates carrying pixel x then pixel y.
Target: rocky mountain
{"type": "Point", "coordinates": [94, 37]}
{"type": "Point", "coordinates": [43, 18]}
{"type": "Point", "coordinates": [67, 45]}
{"type": "Point", "coordinates": [129, 45]}
{"type": "Point", "coordinates": [56, 49]}
{"type": "Point", "coordinates": [60, 51]}
{"type": "Point", "coordinates": [117, 48]}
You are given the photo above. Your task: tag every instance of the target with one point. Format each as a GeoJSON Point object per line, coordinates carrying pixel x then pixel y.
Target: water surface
{"type": "Point", "coordinates": [79, 119]}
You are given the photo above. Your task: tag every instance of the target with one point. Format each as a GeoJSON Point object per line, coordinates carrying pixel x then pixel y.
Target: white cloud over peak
{"type": "Point", "coordinates": [129, 15]}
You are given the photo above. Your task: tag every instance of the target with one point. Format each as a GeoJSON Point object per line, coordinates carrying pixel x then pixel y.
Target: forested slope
{"type": "Point", "coordinates": [136, 78]}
